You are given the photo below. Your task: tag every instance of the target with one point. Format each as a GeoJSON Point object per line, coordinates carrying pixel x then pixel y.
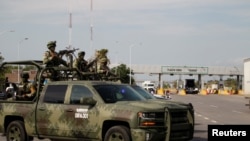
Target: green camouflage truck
{"type": "Point", "coordinates": [67, 106]}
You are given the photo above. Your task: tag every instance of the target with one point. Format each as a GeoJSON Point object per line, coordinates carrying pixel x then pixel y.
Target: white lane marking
{"type": "Point", "coordinates": [237, 112]}
{"type": "Point", "coordinates": [206, 118]}
{"type": "Point", "coordinates": [213, 106]}
{"type": "Point", "coordinates": [213, 121]}
{"type": "Point", "coordinates": [199, 115]}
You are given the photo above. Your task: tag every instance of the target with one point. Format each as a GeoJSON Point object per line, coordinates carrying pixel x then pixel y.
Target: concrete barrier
{"type": "Point", "coordinates": [182, 92]}
{"type": "Point", "coordinates": [160, 92]}
{"type": "Point", "coordinates": [241, 92]}
{"type": "Point", "coordinates": [172, 90]}
{"type": "Point", "coordinates": [203, 92]}
{"type": "Point", "coordinates": [226, 92]}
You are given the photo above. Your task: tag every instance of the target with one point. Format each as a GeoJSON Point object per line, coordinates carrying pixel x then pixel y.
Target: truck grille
{"type": "Point", "coordinates": [181, 128]}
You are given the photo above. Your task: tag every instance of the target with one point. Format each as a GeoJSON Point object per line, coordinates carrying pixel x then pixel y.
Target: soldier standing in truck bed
{"type": "Point", "coordinates": [51, 57]}
{"type": "Point", "coordinates": [80, 63]}
{"type": "Point", "coordinates": [103, 62]}
{"type": "Point", "coordinates": [92, 62]}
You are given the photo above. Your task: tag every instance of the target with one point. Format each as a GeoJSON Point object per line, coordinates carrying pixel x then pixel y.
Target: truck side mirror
{"type": "Point", "coordinates": [88, 101]}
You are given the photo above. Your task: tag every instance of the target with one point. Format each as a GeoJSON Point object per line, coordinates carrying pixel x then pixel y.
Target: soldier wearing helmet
{"type": "Point", "coordinates": [51, 58]}
{"type": "Point", "coordinates": [103, 62]}
{"type": "Point", "coordinates": [80, 63]}
{"type": "Point", "coordinates": [92, 65]}
{"type": "Point", "coordinates": [27, 89]}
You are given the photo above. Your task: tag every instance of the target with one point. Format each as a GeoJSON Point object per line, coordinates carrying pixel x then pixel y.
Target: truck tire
{"type": "Point", "coordinates": [118, 133]}
{"type": "Point", "coordinates": [16, 131]}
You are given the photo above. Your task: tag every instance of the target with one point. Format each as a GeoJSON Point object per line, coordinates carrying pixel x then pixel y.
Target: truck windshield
{"type": "Point", "coordinates": [114, 93]}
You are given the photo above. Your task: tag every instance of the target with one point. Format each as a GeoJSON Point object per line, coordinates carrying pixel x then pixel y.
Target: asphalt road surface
{"type": "Point", "coordinates": [216, 110]}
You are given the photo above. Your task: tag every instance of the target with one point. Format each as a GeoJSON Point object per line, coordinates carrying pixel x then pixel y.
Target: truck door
{"type": "Point", "coordinates": [82, 118]}
{"type": "Point", "coordinates": [50, 118]}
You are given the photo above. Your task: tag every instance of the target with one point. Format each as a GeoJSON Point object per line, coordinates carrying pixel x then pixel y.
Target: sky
{"type": "Point", "coordinates": [147, 32]}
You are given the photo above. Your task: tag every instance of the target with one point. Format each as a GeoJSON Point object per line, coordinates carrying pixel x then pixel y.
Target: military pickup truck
{"type": "Point", "coordinates": [72, 106]}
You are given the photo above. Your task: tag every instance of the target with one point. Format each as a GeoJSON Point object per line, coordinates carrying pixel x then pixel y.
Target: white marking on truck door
{"type": "Point", "coordinates": [82, 113]}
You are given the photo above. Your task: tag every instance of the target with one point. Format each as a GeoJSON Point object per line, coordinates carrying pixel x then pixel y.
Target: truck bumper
{"type": "Point", "coordinates": [148, 135]}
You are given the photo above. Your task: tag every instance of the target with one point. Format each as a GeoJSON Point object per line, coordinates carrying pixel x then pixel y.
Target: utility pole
{"type": "Point", "coordinates": [130, 71]}
{"type": "Point", "coordinates": [70, 26]}
{"type": "Point", "coordinates": [91, 25]}
{"type": "Point", "coordinates": [130, 60]}
{"type": "Point", "coordinates": [18, 69]}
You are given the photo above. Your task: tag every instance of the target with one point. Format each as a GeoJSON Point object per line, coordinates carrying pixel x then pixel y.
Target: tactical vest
{"type": "Point", "coordinates": [53, 62]}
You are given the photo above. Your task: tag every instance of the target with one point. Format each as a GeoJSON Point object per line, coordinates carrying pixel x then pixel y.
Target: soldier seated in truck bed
{"type": "Point", "coordinates": [27, 91]}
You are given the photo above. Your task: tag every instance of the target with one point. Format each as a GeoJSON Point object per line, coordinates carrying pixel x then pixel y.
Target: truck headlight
{"type": "Point", "coordinates": [151, 119]}
{"type": "Point", "coordinates": [146, 119]}
{"type": "Point", "coordinates": [146, 115]}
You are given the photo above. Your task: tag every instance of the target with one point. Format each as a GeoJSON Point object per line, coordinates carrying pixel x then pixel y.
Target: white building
{"type": "Point", "coordinates": [246, 81]}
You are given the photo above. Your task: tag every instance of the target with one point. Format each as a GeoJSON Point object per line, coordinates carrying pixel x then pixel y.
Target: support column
{"type": "Point", "coordinates": [237, 82]}
{"type": "Point", "coordinates": [221, 83]}
{"type": "Point", "coordinates": [199, 81]}
{"type": "Point", "coordinates": [160, 83]}
{"type": "Point", "coordinates": [241, 82]}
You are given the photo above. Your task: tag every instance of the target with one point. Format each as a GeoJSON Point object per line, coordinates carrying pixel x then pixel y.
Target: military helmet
{"type": "Point", "coordinates": [81, 53]}
{"type": "Point", "coordinates": [51, 44]}
{"type": "Point", "coordinates": [25, 75]}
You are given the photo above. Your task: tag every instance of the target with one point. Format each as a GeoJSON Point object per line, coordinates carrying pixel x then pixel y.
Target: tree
{"type": "Point", "coordinates": [1, 58]}
{"type": "Point", "coordinates": [230, 82]}
{"type": "Point", "coordinates": [28, 68]}
{"type": "Point", "coordinates": [2, 71]}
{"type": "Point", "coordinates": [166, 85]}
{"type": "Point", "coordinates": [123, 72]}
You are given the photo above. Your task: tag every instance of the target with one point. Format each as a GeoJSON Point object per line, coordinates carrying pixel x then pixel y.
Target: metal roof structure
{"type": "Point", "coordinates": [171, 70]}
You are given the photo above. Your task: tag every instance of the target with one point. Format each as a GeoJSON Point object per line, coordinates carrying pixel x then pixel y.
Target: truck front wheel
{"type": "Point", "coordinates": [118, 133]}
{"type": "Point", "coordinates": [16, 131]}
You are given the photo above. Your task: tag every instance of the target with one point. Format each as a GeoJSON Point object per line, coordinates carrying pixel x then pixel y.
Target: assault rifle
{"type": "Point", "coordinates": [67, 51]}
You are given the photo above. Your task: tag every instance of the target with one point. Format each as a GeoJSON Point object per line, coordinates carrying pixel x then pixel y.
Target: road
{"type": "Point", "coordinates": [211, 110]}
{"type": "Point", "coordinates": [216, 110]}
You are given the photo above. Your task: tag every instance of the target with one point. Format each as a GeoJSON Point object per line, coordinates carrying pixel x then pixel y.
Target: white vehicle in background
{"type": "Point", "coordinates": [167, 96]}
{"type": "Point", "coordinates": [147, 95]}
{"type": "Point", "coordinates": [149, 86]}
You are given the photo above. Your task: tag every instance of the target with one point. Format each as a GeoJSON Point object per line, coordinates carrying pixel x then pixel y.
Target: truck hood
{"type": "Point", "coordinates": [151, 105]}
{"type": "Point", "coordinates": [170, 103]}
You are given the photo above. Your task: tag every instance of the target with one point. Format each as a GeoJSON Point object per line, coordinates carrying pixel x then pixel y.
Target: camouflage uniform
{"type": "Point", "coordinates": [103, 61]}
{"type": "Point", "coordinates": [92, 65]}
{"type": "Point", "coordinates": [27, 90]}
{"type": "Point", "coordinates": [51, 57]}
{"type": "Point", "coordinates": [80, 63]}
